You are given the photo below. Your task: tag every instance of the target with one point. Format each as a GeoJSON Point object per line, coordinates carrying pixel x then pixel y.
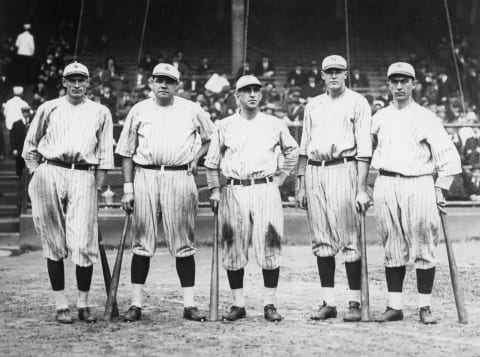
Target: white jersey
{"type": "Point", "coordinates": [25, 44]}
{"type": "Point", "coordinates": [13, 110]}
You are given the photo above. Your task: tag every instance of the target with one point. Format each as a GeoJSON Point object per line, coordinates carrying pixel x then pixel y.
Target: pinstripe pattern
{"type": "Point", "coordinates": [251, 214]}
{"type": "Point", "coordinates": [335, 128]}
{"type": "Point", "coordinates": [332, 217]}
{"type": "Point", "coordinates": [407, 220]}
{"type": "Point", "coordinates": [164, 135]}
{"type": "Point", "coordinates": [64, 210]}
{"type": "Point", "coordinates": [61, 131]}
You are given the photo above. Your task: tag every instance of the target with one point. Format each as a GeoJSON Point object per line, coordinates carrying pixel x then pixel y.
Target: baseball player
{"type": "Point", "coordinates": [162, 139]}
{"type": "Point", "coordinates": [412, 145]}
{"type": "Point", "coordinates": [68, 149]}
{"type": "Point", "coordinates": [335, 151]}
{"type": "Point", "coordinates": [244, 148]}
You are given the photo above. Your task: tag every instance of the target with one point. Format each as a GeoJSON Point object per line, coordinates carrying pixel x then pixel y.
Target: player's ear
{"type": "Point", "coordinates": [322, 73]}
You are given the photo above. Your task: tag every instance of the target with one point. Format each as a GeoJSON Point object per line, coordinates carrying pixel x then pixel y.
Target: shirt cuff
{"type": "Point", "coordinates": [444, 182]}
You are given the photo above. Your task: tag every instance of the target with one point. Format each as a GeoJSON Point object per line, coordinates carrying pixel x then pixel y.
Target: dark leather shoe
{"type": "Point", "coordinates": [133, 314]}
{"type": "Point", "coordinates": [353, 313]}
{"type": "Point", "coordinates": [390, 315]}
{"type": "Point", "coordinates": [192, 313]}
{"type": "Point", "coordinates": [324, 312]}
{"type": "Point", "coordinates": [426, 316]}
{"type": "Point", "coordinates": [84, 314]}
{"type": "Point", "coordinates": [235, 313]}
{"type": "Point", "coordinates": [63, 316]}
{"type": "Point", "coordinates": [271, 314]}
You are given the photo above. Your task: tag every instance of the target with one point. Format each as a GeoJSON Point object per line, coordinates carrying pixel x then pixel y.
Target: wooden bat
{"type": "Point", "coordinates": [365, 297]}
{"type": "Point", "coordinates": [213, 316]}
{"type": "Point", "coordinates": [112, 291]}
{"type": "Point", "coordinates": [107, 277]}
{"type": "Point", "coordinates": [455, 277]}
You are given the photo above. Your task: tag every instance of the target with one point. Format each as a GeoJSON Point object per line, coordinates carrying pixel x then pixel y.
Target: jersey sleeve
{"type": "Point", "coordinates": [35, 133]}
{"type": "Point", "coordinates": [105, 141]}
{"type": "Point", "coordinates": [306, 131]}
{"type": "Point", "coordinates": [212, 160]}
{"type": "Point", "coordinates": [127, 143]}
{"type": "Point", "coordinates": [289, 148]}
{"type": "Point", "coordinates": [363, 128]}
{"type": "Point", "coordinates": [204, 124]}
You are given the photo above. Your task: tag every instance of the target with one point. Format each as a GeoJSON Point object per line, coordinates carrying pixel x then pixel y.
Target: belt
{"type": "Point", "coordinates": [342, 160]}
{"type": "Point", "coordinates": [391, 174]}
{"type": "Point", "coordinates": [72, 166]}
{"type": "Point", "coordinates": [163, 167]}
{"type": "Point", "coordinates": [249, 182]}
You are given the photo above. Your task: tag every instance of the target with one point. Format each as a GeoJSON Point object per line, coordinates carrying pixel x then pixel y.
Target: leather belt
{"type": "Point", "coordinates": [249, 182]}
{"type": "Point", "coordinates": [342, 160]}
{"type": "Point", "coordinates": [163, 167]}
{"type": "Point", "coordinates": [390, 173]}
{"type": "Point", "coordinates": [72, 166]}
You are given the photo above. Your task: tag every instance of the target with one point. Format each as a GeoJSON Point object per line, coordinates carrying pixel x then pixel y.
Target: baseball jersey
{"type": "Point", "coordinates": [245, 149]}
{"type": "Point", "coordinates": [164, 135]}
{"type": "Point", "coordinates": [61, 131]}
{"type": "Point", "coordinates": [336, 127]}
{"type": "Point", "coordinates": [413, 142]}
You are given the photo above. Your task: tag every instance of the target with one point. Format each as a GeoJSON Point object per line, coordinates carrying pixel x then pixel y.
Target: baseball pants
{"type": "Point", "coordinates": [407, 220]}
{"type": "Point", "coordinates": [64, 210]}
{"type": "Point", "coordinates": [251, 214]}
{"type": "Point", "coordinates": [332, 217]}
{"type": "Point", "coordinates": [172, 197]}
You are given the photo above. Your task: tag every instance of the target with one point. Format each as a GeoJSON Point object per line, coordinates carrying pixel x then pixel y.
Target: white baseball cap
{"type": "Point", "coordinates": [165, 69]}
{"type": "Point", "coordinates": [247, 80]}
{"type": "Point", "coordinates": [401, 68]}
{"type": "Point", "coordinates": [17, 90]}
{"type": "Point", "coordinates": [75, 68]}
{"type": "Point", "coordinates": [334, 61]}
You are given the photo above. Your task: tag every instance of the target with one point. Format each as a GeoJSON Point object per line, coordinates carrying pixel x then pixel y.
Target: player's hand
{"type": "Point", "coordinates": [301, 198]}
{"type": "Point", "coordinates": [362, 201]}
{"type": "Point", "coordinates": [127, 202]}
{"type": "Point", "coordinates": [280, 178]}
{"type": "Point", "coordinates": [440, 200]}
{"type": "Point", "coordinates": [193, 168]}
{"type": "Point", "coordinates": [214, 198]}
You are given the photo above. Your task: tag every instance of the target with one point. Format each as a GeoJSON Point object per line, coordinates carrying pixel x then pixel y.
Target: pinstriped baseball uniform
{"type": "Point", "coordinates": [246, 149]}
{"type": "Point", "coordinates": [164, 135]}
{"type": "Point", "coordinates": [64, 201]}
{"type": "Point", "coordinates": [335, 128]}
{"type": "Point", "coordinates": [411, 142]}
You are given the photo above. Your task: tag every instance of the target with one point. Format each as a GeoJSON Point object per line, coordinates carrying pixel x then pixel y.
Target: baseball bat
{"type": "Point", "coordinates": [365, 296]}
{"type": "Point", "coordinates": [112, 291]}
{"type": "Point", "coordinates": [107, 276]}
{"type": "Point", "coordinates": [455, 276]}
{"type": "Point", "coordinates": [213, 316]}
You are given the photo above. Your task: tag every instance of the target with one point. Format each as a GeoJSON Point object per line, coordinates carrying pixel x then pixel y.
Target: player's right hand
{"type": "Point", "coordinates": [214, 198]}
{"type": "Point", "coordinates": [127, 202]}
{"type": "Point", "coordinates": [301, 198]}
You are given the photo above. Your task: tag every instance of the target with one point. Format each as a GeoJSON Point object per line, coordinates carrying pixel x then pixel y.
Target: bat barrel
{"type": "Point", "coordinates": [213, 314]}
{"type": "Point", "coordinates": [365, 297]}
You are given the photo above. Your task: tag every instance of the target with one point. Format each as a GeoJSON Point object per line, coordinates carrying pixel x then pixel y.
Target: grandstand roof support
{"type": "Point", "coordinates": [238, 40]}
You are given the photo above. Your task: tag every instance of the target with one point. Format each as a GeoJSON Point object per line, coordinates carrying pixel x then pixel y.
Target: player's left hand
{"type": "Point", "coordinates": [440, 200]}
{"type": "Point", "coordinates": [362, 201]}
{"type": "Point", "coordinates": [193, 168]}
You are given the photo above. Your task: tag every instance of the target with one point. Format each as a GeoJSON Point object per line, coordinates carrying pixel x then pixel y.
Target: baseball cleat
{"type": "Point", "coordinates": [235, 313]}
{"type": "Point", "coordinates": [353, 313]}
{"type": "Point", "coordinates": [133, 314]}
{"type": "Point", "coordinates": [324, 312]}
{"type": "Point", "coordinates": [63, 316]}
{"type": "Point", "coordinates": [426, 316]}
{"type": "Point", "coordinates": [390, 315]}
{"type": "Point", "coordinates": [84, 314]}
{"type": "Point", "coordinates": [192, 313]}
{"type": "Point", "coordinates": [271, 314]}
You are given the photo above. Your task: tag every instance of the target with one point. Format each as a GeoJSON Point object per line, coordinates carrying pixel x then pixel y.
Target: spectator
{"type": "Point", "coordinates": [109, 99]}
{"type": "Point", "coordinates": [244, 70]}
{"type": "Point", "coordinates": [445, 88]}
{"type": "Point", "coordinates": [17, 138]}
{"type": "Point", "coordinates": [296, 77]}
{"type": "Point", "coordinates": [471, 181]}
{"type": "Point", "coordinates": [180, 63]}
{"type": "Point", "coordinates": [472, 87]}
{"type": "Point", "coordinates": [471, 150]}
{"type": "Point", "coordinates": [269, 94]}
{"type": "Point", "coordinates": [12, 109]}
{"type": "Point", "coordinates": [146, 64]}
{"type": "Point", "coordinates": [384, 96]}
{"type": "Point", "coordinates": [315, 72]}
{"type": "Point", "coordinates": [204, 68]}
{"type": "Point", "coordinates": [457, 141]}
{"type": "Point", "coordinates": [25, 44]}
{"type": "Point", "coordinates": [310, 89]}
{"type": "Point", "coordinates": [265, 67]}
{"type": "Point", "coordinates": [358, 79]}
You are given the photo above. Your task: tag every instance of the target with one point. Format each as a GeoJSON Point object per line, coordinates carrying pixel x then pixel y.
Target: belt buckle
{"type": "Point", "coordinates": [252, 182]}
{"type": "Point", "coordinates": [72, 166]}
{"type": "Point", "coordinates": [162, 168]}
{"type": "Point", "coordinates": [345, 160]}
{"type": "Point", "coordinates": [323, 163]}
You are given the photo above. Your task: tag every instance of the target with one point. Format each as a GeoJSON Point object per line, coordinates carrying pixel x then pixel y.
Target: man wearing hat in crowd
{"type": "Point", "coordinates": [17, 138]}
{"type": "Point", "coordinates": [244, 147]}
{"type": "Point", "coordinates": [162, 140]}
{"type": "Point", "coordinates": [335, 152]}
{"type": "Point", "coordinates": [412, 145]}
{"type": "Point", "coordinates": [68, 150]}
{"type": "Point", "coordinates": [25, 44]}
{"type": "Point", "coordinates": [12, 108]}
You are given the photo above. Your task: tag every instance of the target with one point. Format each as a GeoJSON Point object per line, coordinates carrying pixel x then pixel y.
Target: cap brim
{"type": "Point", "coordinates": [404, 74]}
{"type": "Point", "coordinates": [250, 85]}
{"type": "Point", "coordinates": [165, 75]}
{"type": "Point", "coordinates": [334, 67]}
{"type": "Point", "coordinates": [76, 74]}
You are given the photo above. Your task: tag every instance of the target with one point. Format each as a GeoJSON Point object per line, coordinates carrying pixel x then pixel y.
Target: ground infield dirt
{"type": "Point", "coordinates": [28, 327]}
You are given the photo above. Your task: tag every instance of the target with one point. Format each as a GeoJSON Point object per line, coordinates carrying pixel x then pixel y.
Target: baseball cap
{"type": "Point", "coordinates": [247, 80]}
{"type": "Point", "coordinates": [75, 68]}
{"type": "Point", "coordinates": [334, 61]}
{"type": "Point", "coordinates": [402, 68]}
{"type": "Point", "coordinates": [27, 26]}
{"type": "Point", "coordinates": [165, 69]}
{"type": "Point", "coordinates": [17, 90]}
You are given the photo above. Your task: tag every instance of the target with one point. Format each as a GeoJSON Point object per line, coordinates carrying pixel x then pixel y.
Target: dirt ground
{"type": "Point", "coordinates": [28, 327]}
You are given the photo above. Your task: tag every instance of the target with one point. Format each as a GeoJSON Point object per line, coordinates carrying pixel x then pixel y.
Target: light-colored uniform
{"type": "Point", "coordinates": [335, 128]}
{"type": "Point", "coordinates": [64, 200]}
{"type": "Point", "coordinates": [164, 136]}
{"type": "Point", "coordinates": [411, 142]}
{"type": "Point", "coordinates": [247, 149]}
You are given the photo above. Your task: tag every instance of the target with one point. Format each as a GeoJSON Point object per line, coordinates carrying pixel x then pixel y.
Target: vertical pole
{"type": "Point", "coordinates": [238, 16]}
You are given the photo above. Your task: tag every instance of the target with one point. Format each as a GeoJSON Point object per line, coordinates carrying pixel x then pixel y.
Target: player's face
{"type": "Point", "coordinates": [76, 86]}
{"type": "Point", "coordinates": [334, 79]}
{"type": "Point", "coordinates": [401, 87]}
{"type": "Point", "coordinates": [249, 97]}
{"type": "Point", "coordinates": [164, 88]}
